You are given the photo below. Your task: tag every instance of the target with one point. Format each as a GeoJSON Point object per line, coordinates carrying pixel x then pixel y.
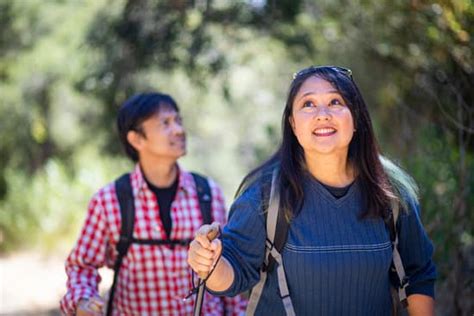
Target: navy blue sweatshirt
{"type": "Point", "coordinates": [335, 262]}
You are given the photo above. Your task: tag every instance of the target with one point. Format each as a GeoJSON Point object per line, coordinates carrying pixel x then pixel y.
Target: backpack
{"type": "Point", "coordinates": [125, 197]}
{"type": "Point", "coordinates": [277, 232]}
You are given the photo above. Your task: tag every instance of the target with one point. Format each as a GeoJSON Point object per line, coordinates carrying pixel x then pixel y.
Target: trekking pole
{"type": "Point", "coordinates": [211, 235]}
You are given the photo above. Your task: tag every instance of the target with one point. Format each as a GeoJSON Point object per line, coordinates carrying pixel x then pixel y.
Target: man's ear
{"type": "Point", "coordinates": [135, 139]}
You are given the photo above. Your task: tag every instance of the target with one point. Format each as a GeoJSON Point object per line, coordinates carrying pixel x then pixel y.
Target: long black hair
{"type": "Point", "coordinates": [364, 153]}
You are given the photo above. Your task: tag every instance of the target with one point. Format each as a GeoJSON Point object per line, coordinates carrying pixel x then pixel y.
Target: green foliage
{"type": "Point", "coordinates": [437, 171]}
{"type": "Point", "coordinates": [42, 211]}
{"type": "Point", "coordinates": [66, 66]}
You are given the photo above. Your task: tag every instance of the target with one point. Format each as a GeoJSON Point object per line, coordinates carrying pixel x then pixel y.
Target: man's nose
{"type": "Point", "coordinates": [178, 128]}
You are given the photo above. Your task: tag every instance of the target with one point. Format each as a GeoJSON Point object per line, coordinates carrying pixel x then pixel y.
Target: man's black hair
{"type": "Point", "coordinates": [135, 111]}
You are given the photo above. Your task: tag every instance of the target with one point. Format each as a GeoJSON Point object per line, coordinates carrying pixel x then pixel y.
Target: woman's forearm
{"type": "Point", "coordinates": [420, 305]}
{"type": "Point", "coordinates": [222, 277]}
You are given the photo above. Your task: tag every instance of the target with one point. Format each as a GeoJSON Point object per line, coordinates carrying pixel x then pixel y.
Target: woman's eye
{"type": "Point", "coordinates": [336, 102]}
{"type": "Point", "coordinates": [308, 104]}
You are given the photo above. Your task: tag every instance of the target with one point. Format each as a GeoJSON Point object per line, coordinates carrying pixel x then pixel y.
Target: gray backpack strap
{"type": "Point", "coordinates": [256, 293]}
{"type": "Point", "coordinates": [282, 284]}
{"type": "Point", "coordinates": [397, 260]}
{"type": "Point", "coordinates": [272, 217]}
{"type": "Point", "coordinates": [273, 207]}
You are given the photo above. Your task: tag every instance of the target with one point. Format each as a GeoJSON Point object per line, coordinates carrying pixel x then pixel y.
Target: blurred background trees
{"type": "Point", "coordinates": [66, 66]}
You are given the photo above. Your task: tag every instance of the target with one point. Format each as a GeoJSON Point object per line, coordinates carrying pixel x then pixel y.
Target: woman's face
{"type": "Point", "coordinates": [320, 119]}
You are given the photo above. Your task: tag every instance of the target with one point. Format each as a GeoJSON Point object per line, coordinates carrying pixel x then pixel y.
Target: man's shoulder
{"type": "Point", "coordinates": [106, 193]}
{"type": "Point", "coordinates": [190, 185]}
{"type": "Point", "coordinates": [188, 175]}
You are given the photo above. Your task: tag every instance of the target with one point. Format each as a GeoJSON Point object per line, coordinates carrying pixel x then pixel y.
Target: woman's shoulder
{"type": "Point", "coordinates": [403, 184]}
{"type": "Point", "coordinates": [251, 193]}
{"type": "Point", "coordinates": [257, 182]}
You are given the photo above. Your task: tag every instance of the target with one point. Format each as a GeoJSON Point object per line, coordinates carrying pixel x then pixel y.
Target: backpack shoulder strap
{"type": "Point", "coordinates": [396, 258]}
{"type": "Point", "coordinates": [274, 222]}
{"type": "Point", "coordinates": [124, 192]}
{"type": "Point", "coordinates": [205, 197]}
{"type": "Point", "coordinates": [277, 224]}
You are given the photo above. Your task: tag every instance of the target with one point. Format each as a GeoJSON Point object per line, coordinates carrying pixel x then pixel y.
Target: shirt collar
{"type": "Point", "coordinates": [185, 182]}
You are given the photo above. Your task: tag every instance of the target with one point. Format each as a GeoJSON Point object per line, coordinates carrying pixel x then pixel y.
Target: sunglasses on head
{"type": "Point", "coordinates": [313, 69]}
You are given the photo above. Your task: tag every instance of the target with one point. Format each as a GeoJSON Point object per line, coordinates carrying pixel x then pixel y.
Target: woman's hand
{"type": "Point", "coordinates": [204, 250]}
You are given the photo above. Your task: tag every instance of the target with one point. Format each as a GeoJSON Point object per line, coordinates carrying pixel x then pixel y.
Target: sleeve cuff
{"type": "Point", "coordinates": [425, 288]}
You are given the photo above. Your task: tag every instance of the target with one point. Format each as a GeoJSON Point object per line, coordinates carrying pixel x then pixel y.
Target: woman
{"type": "Point", "coordinates": [337, 196]}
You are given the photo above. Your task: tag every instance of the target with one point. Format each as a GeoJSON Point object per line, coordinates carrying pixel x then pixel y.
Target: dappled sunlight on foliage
{"type": "Point", "coordinates": [44, 210]}
{"type": "Point", "coordinates": [66, 66]}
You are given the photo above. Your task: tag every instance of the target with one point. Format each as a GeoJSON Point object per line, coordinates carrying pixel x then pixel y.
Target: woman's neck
{"type": "Point", "coordinates": [335, 171]}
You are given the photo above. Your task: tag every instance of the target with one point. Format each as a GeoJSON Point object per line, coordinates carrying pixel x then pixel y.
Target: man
{"type": "Point", "coordinates": [153, 279]}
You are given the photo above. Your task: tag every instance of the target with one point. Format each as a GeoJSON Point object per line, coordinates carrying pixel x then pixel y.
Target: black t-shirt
{"type": "Point", "coordinates": [337, 192]}
{"type": "Point", "coordinates": [165, 197]}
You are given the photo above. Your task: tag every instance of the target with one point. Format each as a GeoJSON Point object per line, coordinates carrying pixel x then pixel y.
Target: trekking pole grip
{"type": "Point", "coordinates": [212, 234]}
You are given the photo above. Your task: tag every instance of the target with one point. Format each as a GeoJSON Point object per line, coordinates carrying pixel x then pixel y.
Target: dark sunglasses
{"type": "Point", "coordinates": [313, 69]}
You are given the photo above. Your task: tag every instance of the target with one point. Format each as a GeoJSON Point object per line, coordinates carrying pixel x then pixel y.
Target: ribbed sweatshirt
{"type": "Point", "coordinates": [335, 262]}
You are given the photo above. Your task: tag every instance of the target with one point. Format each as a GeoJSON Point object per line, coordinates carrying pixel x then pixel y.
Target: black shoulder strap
{"type": "Point", "coordinates": [282, 228]}
{"type": "Point", "coordinates": [124, 193]}
{"type": "Point", "coordinates": [205, 197]}
{"type": "Point", "coordinates": [123, 189]}
{"type": "Point", "coordinates": [390, 224]}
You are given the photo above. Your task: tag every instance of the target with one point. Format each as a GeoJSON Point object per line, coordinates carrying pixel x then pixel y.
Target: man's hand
{"type": "Point", "coordinates": [94, 306]}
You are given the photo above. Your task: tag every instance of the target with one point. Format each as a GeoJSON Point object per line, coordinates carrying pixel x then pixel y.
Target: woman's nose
{"type": "Point", "coordinates": [322, 113]}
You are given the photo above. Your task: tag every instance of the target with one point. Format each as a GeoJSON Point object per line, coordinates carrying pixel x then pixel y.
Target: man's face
{"type": "Point", "coordinates": [162, 136]}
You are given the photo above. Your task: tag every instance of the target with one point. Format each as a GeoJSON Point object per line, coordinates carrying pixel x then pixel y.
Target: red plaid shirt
{"type": "Point", "coordinates": [153, 280]}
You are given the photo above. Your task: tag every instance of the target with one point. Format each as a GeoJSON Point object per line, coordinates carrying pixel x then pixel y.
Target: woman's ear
{"type": "Point", "coordinates": [292, 123]}
{"type": "Point", "coordinates": [135, 139]}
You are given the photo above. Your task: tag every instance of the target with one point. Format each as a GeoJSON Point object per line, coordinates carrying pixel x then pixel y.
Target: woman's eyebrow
{"type": "Point", "coordinates": [313, 93]}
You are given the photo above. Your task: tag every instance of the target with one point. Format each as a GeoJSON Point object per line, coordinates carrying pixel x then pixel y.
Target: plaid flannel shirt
{"type": "Point", "coordinates": [153, 280]}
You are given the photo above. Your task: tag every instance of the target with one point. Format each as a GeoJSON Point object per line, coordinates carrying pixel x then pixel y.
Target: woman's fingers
{"type": "Point", "coordinates": [203, 253]}
{"type": "Point", "coordinates": [199, 258]}
{"type": "Point", "coordinates": [216, 248]}
{"type": "Point", "coordinates": [206, 233]}
{"type": "Point", "coordinates": [203, 241]}
{"type": "Point", "coordinates": [199, 253]}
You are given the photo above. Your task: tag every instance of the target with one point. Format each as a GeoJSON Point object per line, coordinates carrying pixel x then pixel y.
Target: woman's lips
{"type": "Point", "coordinates": [325, 131]}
